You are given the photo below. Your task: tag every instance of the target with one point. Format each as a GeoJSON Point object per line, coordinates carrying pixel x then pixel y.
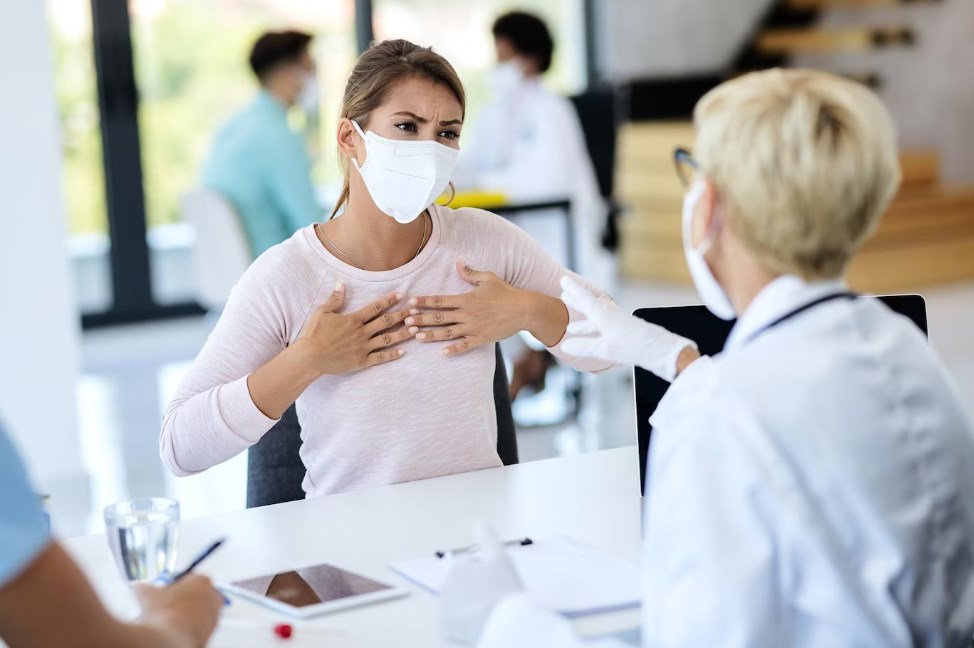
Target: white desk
{"type": "Point", "coordinates": [593, 498]}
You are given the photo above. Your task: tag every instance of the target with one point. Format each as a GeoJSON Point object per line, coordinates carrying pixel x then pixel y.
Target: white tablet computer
{"type": "Point", "coordinates": [313, 590]}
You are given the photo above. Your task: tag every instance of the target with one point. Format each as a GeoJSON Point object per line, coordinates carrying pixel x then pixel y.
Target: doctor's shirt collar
{"type": "Point", "coordinates": [778, 298]}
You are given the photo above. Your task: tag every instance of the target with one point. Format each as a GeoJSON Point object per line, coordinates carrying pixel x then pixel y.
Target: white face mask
{"type": "Point", "coordinates": [309, 98]}
{"type": "Point", "coordinates": [404, 178]}
{"type": "Point", "coordinates": [506, 77]}
{"type": "Point", "coordinates": [713, 296]}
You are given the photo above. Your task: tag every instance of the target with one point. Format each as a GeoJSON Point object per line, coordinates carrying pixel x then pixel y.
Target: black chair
{"type": "Point", "coordinates": [275, 470]}
{"type": "Point", "coordinates": [599, 113]}
{"type": "Point", "coordinates": [710, 333]}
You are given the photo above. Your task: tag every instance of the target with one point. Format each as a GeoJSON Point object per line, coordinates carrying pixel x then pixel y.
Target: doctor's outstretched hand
{"type": "Point", "coordinates": [610, 334]}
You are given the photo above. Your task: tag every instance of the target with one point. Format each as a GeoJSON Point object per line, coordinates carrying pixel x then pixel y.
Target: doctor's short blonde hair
{"type": "Point", "coordinates": [804, 161]}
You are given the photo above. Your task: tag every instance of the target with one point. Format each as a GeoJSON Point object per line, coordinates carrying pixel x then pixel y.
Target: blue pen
{"type": "Point", "coordinates": [196, 562]}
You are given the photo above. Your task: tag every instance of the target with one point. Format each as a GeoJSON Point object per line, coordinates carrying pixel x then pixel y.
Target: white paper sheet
{"type": "Point", "coordinates": [561, 574]}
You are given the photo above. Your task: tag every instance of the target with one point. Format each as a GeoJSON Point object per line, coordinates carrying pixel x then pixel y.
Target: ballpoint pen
{"type": "Point", "coordinates": [522, 542]}
{"type": "Point", "coordinates": [193, 565]}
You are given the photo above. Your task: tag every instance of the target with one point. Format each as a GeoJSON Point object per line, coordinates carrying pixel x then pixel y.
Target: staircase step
{"type": "Point", "coordinates": [780, 42]}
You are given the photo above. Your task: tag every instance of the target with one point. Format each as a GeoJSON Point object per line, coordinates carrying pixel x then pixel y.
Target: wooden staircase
{"type": "Point", "coordinates": [925, 237]}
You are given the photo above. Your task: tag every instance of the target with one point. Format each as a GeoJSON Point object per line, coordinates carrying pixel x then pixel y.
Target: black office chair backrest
{"type": "Point", "coordinates": [599, 113]}
{"type": "Point", "coordinates": [275, 470]}
{"type": "Point", "coordinates": [710, 333]}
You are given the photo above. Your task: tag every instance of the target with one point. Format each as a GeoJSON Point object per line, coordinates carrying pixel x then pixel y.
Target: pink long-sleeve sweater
{"type": "Point", "coordinates": [421, 416]}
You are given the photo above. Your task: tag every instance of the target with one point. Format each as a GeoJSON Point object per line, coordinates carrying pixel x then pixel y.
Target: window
{"type": "Point", "coordinates": [187, 90]}
{"type": "Point", "coordinates": [460, 31]}
{"type": "Point", "coordinates": [82, 169]}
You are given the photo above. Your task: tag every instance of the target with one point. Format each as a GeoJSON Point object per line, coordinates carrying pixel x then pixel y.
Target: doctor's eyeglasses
{"type": "Point", "coordinates": [686, 167]}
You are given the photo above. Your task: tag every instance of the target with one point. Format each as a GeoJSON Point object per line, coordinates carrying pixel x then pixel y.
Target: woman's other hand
{"type": "Point", "coordinates": [493, 311]}
{"type": "Point", "coordinates": [343, 343]}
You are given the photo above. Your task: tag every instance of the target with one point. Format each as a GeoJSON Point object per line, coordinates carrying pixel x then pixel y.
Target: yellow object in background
{"type": "Point", "coordinates": [474, 198]}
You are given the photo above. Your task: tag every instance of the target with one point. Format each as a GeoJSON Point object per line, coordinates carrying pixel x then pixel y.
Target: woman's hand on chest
{"type": "Point", "coordinates": [341, 343]}
{"type": "Point", "coordinates": [494, 310]}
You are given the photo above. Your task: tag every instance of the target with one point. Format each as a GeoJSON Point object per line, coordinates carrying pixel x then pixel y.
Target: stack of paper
{"type": "Point", "coordinates": [560, 574]}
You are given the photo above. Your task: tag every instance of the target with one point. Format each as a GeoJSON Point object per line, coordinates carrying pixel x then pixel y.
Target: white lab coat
{"type": "Point", "coordinates": [529, 145]}
{"type": "Point", "coordinates": [812, 485]}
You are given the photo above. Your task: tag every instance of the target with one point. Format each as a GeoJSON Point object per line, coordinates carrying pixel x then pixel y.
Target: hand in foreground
{"type": "Point", "coordinates": [187, 610]}
{"type": "Point", "coordinates": [343, 343]}
{"type": "Point", "coordinates": [610, 334]}
{"type": "Point", "coordinates": [475, 585]}
{"type": "Point", "coordinates": [493, 311]}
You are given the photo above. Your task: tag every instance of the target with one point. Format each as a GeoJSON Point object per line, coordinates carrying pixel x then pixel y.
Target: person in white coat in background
{"type": "Point", "coordinates": [527, 143]}
{"type": "Point", "coordinates": [811, 485]}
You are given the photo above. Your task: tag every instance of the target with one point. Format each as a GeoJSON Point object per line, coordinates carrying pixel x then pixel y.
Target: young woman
{"type": "Point", "coordinates": [380, 322]}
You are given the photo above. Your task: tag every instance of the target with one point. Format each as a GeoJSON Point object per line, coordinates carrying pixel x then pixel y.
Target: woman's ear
{"type": "Point", "coordinates": [349, 141]}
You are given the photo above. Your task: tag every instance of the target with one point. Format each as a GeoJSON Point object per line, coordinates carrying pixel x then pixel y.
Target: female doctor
{"type": "Point", "coordinates": [812, 484]}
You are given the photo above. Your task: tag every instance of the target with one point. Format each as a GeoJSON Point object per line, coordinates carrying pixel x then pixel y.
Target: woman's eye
{"type": "Point", "coordinates": [408, 127]}
{"type": "Point", "coordinates": [450, 134]}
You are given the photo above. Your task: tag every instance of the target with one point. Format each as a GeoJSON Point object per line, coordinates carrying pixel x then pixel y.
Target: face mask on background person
{"type": "Point", "coordinates": [309, 97]}
{"type": "Point", "coordinates": [713, 296]}
{"type": "Point", "coordinates": [506, 77]}
{"type": "Point", "coordinates": [404, 178]}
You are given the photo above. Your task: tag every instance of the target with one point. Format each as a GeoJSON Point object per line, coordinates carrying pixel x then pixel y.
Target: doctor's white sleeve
{"type": "Point", "coordinates": [519, 622]}
{"type": "Point", "coordinates": [710, 561]}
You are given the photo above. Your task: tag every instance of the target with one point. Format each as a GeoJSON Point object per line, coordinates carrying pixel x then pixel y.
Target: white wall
{"type": "Point", "coordinates": [38, 323]}
{"type": "Point", "coordinates": [929, 88]}
{"type": "Point", "coordinates": [661, 38]}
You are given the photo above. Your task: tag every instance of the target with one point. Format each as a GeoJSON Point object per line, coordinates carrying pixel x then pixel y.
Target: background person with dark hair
{"type": "Point", "coordinates": [257, 162]}
{"type": "Point", "coordinates": [528, 144]}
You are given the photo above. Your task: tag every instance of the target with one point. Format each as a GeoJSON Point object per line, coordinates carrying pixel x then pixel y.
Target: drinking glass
{"type": "Point", "coordinates": [143, 534]}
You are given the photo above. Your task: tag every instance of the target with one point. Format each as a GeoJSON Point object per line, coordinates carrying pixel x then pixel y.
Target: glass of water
{"type": "Point", "coordinates": [143, 534]}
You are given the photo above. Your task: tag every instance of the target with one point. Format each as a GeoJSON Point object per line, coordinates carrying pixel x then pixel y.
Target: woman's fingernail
{"type": "Point", "coordinates": [446, 351]}
{"type": "Point", "coordinates": [410, 321]}
{"type": "Point", "coordinates": [401, 352]}
{"type": "Point", "coordinates": [414, 301]}
{"type": "Point", "coordinates": [420, 336]}
{"type": "Point", "coordinates": [399, 296]}
{"type": "Point", "coordinates": [414, 330]}
{"type": "Point", "coordinates": [414, 311]}
{"type": "Point", "coordinates": [339, 285]}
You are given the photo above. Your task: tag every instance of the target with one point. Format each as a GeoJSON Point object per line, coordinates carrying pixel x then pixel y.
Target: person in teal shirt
{"type": "Point", "coordinates": [256, 161]}
{"type": "Point", "coordinates": [45, 599]}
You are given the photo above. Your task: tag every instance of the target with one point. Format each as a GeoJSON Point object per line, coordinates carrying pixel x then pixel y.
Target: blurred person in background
{"type": "Point", "coordinates": [528, 145]}
{"type": "Point", "coordinates": [45, 599]}
{"type": "Point", "coordinates": [257, 162]}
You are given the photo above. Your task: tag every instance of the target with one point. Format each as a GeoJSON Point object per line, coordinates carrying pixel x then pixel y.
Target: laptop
{"type": "Point", "coordinates": [710, 333]}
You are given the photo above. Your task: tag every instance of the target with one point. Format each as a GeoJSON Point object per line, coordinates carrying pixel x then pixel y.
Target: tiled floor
{"type": "Point", "coordinates": [130, 371]}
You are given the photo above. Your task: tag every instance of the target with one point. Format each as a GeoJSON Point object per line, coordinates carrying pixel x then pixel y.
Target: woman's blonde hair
{"type": "Point", "coordinates": [377, 71]}
{"type": "Point", "coordinates": [804, 161]}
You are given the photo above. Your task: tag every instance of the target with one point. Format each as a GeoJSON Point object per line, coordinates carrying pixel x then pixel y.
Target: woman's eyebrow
{"type": "Point", "coordinates": [423, 120]}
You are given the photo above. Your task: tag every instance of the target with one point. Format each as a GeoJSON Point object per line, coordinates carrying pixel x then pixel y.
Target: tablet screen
{"type": "Point", "coordinates": [311, 585]}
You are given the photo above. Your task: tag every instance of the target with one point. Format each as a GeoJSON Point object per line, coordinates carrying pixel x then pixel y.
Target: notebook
{"type": "Point", "coordinates": [561, 574]}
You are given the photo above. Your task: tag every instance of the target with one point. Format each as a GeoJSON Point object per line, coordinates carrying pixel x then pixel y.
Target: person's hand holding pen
{"type": "Point", "coordinates": [187, 608]}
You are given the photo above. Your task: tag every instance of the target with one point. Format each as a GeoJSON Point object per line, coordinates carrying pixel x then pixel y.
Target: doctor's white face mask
{"type": "Point", "coordinates": [713, 296]}
{"type": "Point", "coordinates": [404, 178]}
{"type": "Point", "coordinates": [505, 77]}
